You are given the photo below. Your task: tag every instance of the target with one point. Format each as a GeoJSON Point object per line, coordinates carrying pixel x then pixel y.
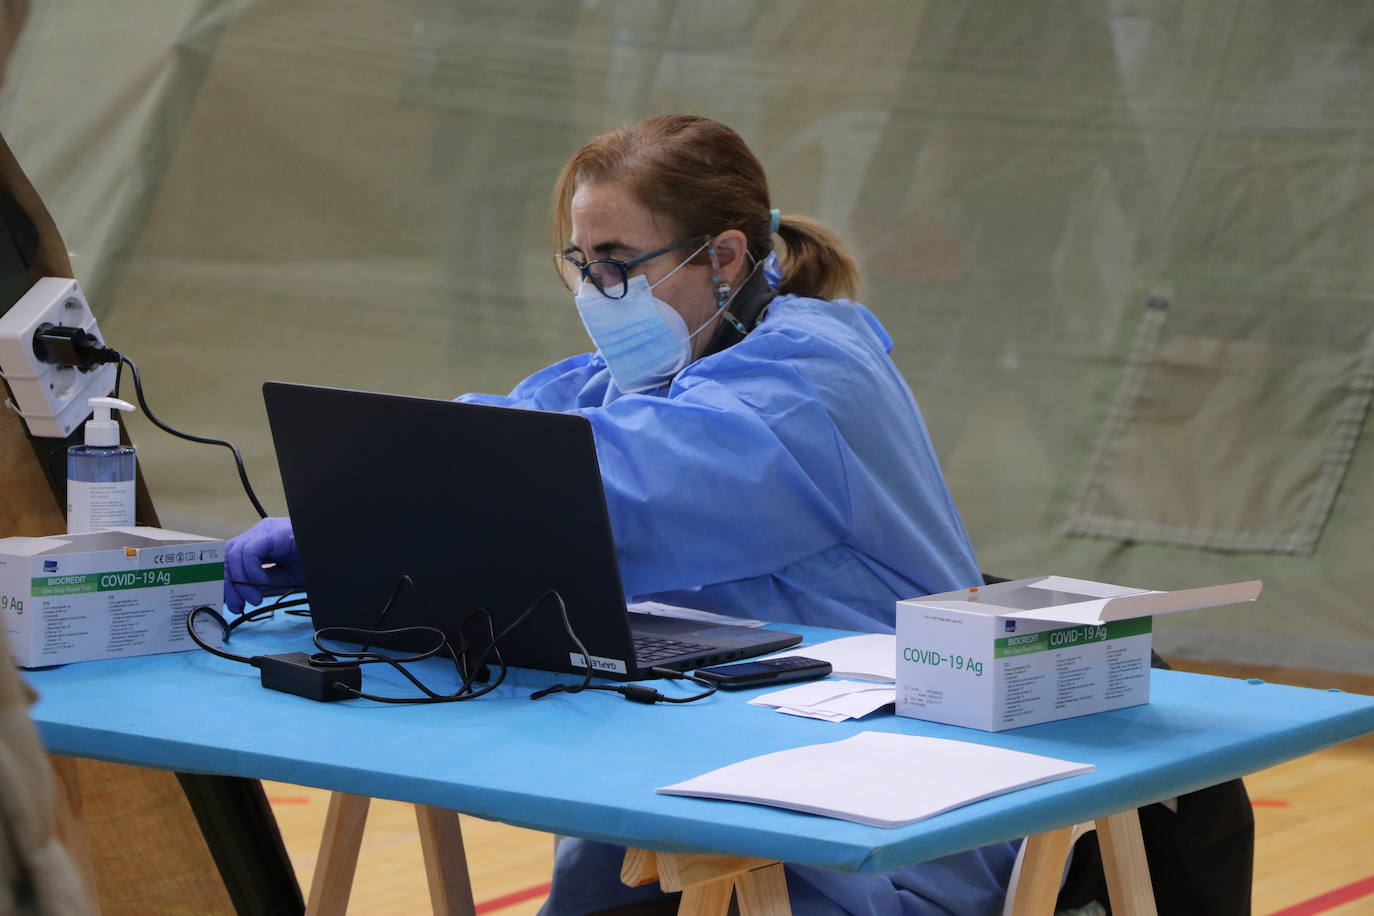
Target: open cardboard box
{"type": "Point", "coordinates": [1034, 650]}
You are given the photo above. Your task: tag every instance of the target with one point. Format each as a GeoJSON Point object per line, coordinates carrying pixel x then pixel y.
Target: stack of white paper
{"type": "Point", "coordinates": [878, 778]}
{"type": "Point", "coordinates": [833, 701]}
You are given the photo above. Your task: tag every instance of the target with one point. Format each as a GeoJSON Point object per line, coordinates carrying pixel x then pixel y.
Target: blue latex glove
{"type": "Point", "coordinates": [245, 581]}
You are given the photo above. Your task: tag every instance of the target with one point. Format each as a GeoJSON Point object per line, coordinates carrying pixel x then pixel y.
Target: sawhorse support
{"type": "Point", "coordinates": [708, 882]}
{"type": "Point", "coordinates": [441, 838]}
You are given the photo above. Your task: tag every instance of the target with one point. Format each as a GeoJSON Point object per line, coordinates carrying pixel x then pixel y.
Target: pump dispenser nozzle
{"type": "Point", "coordinates": [102, 429]}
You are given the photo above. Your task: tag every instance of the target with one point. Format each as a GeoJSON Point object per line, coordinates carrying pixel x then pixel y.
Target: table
{"type": "Point", "coordinates": [587, 765]}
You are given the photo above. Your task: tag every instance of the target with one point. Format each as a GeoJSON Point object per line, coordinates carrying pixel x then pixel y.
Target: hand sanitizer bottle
{"type": "Point", "coordinates": [100, 474]}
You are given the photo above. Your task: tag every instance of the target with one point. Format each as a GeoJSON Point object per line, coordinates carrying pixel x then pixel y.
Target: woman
{"type": "Point", "coordinates": [760, 452]}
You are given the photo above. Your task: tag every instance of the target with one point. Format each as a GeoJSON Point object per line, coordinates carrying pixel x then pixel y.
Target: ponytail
{"type": "Point", "coordinates": [816, 263]}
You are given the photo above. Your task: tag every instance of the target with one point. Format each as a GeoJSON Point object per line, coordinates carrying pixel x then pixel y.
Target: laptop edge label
{"type": "Point", "coordinates": [598, 663]}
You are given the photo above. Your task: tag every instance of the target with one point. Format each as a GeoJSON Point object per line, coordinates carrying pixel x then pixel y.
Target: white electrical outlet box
{"type": "Point", "coordinates": [52, 399]}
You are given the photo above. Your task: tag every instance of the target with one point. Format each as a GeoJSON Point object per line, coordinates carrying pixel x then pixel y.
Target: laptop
{"type": "Point", "coordinates": [482, 508]}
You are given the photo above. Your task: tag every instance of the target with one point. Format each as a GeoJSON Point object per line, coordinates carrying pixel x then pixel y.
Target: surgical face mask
{"type": "Point", "coordinates": [643, 339]}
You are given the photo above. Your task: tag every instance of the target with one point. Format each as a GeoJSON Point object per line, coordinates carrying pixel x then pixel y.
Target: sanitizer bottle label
{"type": "Point", "coordinates": [97, 506]}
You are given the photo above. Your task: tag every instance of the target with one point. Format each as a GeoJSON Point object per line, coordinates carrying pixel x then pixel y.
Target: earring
{"type": "Point", "coordinates": [722, 288]}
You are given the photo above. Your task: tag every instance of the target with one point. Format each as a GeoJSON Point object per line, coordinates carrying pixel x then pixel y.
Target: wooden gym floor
{"type": "Point", "coordinates": [1314, 848]}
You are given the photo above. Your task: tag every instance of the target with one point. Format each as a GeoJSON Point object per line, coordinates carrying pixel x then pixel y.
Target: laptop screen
{"type": "Point", "coordinates": [482, 507]}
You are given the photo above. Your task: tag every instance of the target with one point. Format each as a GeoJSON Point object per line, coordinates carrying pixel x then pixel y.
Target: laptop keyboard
{"type": "Point", "coordinates": [651, 649]}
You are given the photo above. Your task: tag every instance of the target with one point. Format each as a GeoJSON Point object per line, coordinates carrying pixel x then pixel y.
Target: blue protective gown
{"type": "Point", "coordinates": [789, 477]}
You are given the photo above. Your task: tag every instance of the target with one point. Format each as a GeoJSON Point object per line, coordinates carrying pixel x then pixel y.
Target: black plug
{"type": "Point", "coordinates": [64, 346]}
{"type": "Point", "coordinates": [298, 673]}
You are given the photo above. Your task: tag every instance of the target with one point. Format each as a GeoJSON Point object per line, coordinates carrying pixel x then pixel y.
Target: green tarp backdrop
{"type": "Point", "coordinates": [1125, 248]}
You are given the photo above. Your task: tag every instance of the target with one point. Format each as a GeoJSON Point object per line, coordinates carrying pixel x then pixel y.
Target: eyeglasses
{"type": "Point", "coordinates": [610, 277]}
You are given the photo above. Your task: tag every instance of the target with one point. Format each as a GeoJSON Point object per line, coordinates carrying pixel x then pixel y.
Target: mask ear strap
{"type": "Point", "coordinates": [705, 244]}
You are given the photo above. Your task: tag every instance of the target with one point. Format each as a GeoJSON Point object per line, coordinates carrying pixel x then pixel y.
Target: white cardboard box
{"type": "Point", "coordinates": [1034, 650]}
{"type": "Point", "coordinates": [105, 594]}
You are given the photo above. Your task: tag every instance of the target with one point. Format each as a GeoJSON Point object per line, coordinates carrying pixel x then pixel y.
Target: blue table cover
{"type": "Point", "coordinates": [587, 764]}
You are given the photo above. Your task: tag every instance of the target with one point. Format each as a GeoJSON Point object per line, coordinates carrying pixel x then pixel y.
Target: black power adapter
{"type": "Point", "coordinates": [298, 673]}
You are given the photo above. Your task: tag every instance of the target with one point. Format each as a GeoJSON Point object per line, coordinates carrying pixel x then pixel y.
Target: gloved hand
{"type": "Point", "coordinates": [269, 541]}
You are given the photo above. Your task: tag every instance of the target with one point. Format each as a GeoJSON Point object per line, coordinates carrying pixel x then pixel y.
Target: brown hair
{"type": "Point", "coordinates": [700, 177]}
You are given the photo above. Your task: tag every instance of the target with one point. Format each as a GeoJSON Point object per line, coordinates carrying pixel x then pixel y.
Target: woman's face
{"type": "Point", "coordinates": [607, 222]}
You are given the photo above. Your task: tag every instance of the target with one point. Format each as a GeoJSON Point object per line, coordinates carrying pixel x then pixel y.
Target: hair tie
{"type": "Point", "coordinates": [774, 217]}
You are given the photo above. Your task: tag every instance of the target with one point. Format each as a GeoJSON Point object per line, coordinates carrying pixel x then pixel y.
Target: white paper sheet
{"type": "Point", "coordinates": [878, 778]}
{"type": "Point", "coordinates": [659, 609]}
{"type": "Point", "coordinates": [829, 700]}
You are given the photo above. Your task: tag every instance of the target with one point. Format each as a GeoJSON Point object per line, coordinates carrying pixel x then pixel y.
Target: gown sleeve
{"type": "Point", "coordinates": [569, 383]}
{"type": "Point", "coordinates": [738, 472]}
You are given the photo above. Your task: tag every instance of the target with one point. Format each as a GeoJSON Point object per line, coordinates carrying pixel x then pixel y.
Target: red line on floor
{"type": "Point", "coordinates": [497, 903]}
{"type": "Point", "coordinates": [1331, 899]}
{"type": "Point", "coordinates": [1269, 802]}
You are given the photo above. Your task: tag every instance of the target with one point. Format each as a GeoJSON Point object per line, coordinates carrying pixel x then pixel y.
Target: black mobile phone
{"type": "Point", "coordinates": [767, 671]}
